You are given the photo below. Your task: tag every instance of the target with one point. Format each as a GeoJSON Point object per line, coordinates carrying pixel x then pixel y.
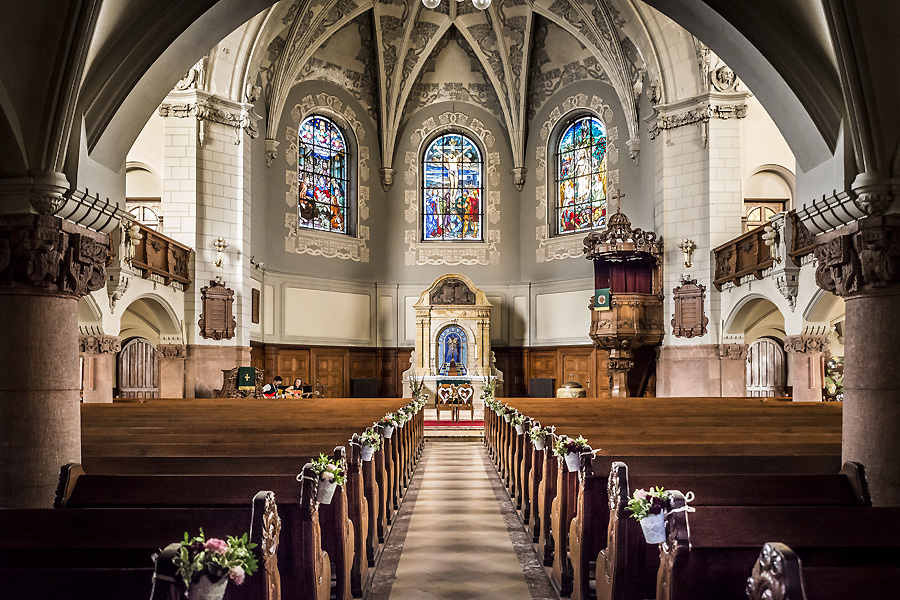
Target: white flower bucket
{"type": "Point", "coordinates": [520, 429]}
{"type": "Point", "coordinates": [389, 431]}
{"type": "Point", "coordinates": [654, 527]}
{"type": "Point", "coordinates": [507, 418]}
{"type": "Point", "coordinates": [539, 443]}
{"type": "Point", "coordinates": [573, 461]}
{"type": "Point", "coordinates": [367, 452]}
{"type": "Point", "coordinates": [326, 491]}
{"type": "Point", "coordinates": [205, 589]}
{"type": "Point", "coordinates": [401, 424]}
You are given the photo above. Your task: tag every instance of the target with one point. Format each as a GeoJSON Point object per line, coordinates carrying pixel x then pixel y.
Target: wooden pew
{"type": "Point", "coordinates": [707, 554]}
{"type": "Point", "coordinates": [98, 554]}
{"type": "Point", "coordinates": [300, 550]}
{"type": "Point", "coordinates": [780, 574]}
{"type": "Point", "coordinates": [625, 566]}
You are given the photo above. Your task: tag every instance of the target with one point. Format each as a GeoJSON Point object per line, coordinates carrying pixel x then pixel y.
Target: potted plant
{"type": "Point", "coordinates": [418, 389]}
{"type": "Point", "coordinates": [539, 435]}
{"type": "Point", "coordinates": [506, 412]}
{"type": "Point", "coordinates": [649, 508]}
{"type": "Point", "coordinates": [518, 421]}
{"type": "Point", "coordinates": [402, 417]}
{"type": "Point", "coordinates": [570, 449]}
{"type": "Point", "coordinates": [388, 421]}
{"type": "Point", "coordinates": [330, 474]}
{"type": "Point", "coordinates": [206, 566]}
{"type": "Point", "coordinates": [370, 443]}
{"type": "Point", "coordinates": [488, 389]}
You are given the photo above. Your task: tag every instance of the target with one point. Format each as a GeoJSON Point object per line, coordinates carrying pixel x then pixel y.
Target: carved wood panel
{"type": "Point", "coordinates": [689, 319]}
{"type": "Point", "coordinates": [577, 366]}
{"type": "Point", "coordinates": [363, 364]}
{"type": "Point", "coordinates": [217, 319]}
{"type": "Point", "coordinates": [543, 364]}
{"type": "Point", "coordinates": [138, 370]}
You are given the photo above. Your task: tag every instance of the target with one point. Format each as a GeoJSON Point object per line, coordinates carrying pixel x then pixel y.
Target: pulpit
{"type": "Point", "coordinates": [627, 309]}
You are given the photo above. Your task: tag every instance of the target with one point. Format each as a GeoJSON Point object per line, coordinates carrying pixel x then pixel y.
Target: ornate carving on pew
{"type": "Point", "coordinates": [268, 543]}
{"type": "Point", "coordinates": [609, 559]}
{"type": "Point", "coordinates": [627, 271]}
{"type": "Point", "coordinates": [311, 534]}
{"type": "Point", "coordinates": [673, 553]}
{"type": "Point", "coordinates": [776, 575]}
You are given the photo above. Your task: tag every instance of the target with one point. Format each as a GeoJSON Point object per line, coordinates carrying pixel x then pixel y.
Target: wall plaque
{"type": "Point", "coordinates": [217, 317]}
{"type": "Point", "coordinates": [689, 319]}
{"type": "Point", "coordinates": [254, 306]}
{"type": "Point", "coordinates": [452, 291]}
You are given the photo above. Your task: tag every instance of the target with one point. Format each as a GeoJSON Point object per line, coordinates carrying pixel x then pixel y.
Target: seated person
{"type": "Point", "coordinates": [296, 389]}
{"type": "Point", "coordinates": [270, 390]}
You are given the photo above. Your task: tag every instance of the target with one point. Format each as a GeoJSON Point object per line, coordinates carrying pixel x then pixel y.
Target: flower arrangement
{"type": "Point", "coordinates": [490, 386]}
{"type": "Point", "coordinates": [328, 471]}
{"type": "Point", "coordinates": [417, 386]}
{"type": "Point", "coordinates": [371, 439]}
{"type": "Point", "coordinates": [214, 558]}
{"type": "Point", "coordinates": [649, 508]}
{"type": "Point", "coordinates": [506, 412]}
{"type": "Point", "coordinates": [567, 445]}
{"type": "Point", "coordinates": [540, 433]}
{"type": "Point", "coordinates": [388, 420]}
{"type": "Point", "coordinates": [517, 418]}
{"type": "Point", "coordinates": [643, 503]}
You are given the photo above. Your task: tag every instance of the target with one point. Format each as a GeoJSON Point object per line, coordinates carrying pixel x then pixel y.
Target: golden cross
{"type": "Point", "coordinates": [618, 198]}
{"type": "Point", "coordinates": [246, 377]}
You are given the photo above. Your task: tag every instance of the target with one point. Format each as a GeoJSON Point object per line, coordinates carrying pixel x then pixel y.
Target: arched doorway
{"type": "Point", "coordinates": [766, 368]}
{"type": "Point", "coordinates": [138, 370]}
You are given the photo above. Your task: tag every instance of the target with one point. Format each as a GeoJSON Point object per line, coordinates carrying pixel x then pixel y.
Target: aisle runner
{"type": "Point", "coordinates": [458, 542]}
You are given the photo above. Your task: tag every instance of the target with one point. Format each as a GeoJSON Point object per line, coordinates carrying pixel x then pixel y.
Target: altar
{"type": "Point", "coordinates": [453, 359]}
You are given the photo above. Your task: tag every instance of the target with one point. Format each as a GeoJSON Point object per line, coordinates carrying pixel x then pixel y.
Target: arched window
{"type": "Point", "coordinates": [452, 207]}
{"type": "Point", "coordinates": [323, 176]}
{"type": "Point", "coordinates": [581, 176]}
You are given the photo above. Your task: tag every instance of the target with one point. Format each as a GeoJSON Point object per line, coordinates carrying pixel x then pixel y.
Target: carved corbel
{"type": "Point", "coordinates": [519, 177]}
{"type": "Point", "coordinates": [387, 177]}
{"type": "Point", "coordinates": [271, 151]}
{"type": "Point", "coordinates": [634, 149]}
{"type": "Point", "coordinates": [116, 288]}
{"type": "Point", "coordinates": [785, 273]}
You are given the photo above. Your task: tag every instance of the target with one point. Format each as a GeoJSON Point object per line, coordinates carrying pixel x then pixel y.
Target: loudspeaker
{"type": "Point", "coordinates": [542, 387]}
{"type": "Point", "coordinates": [364, 387]}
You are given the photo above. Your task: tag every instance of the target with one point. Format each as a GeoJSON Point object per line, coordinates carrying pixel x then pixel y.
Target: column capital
{"type": "Point", "coordinates": [804, 344]}
{"type": "Point", "coordinates": [861, 257]}
{"type": "Point", "coordinates": [99, 344]}
{"type": "Point", "coordinates": [42, 254]}
{"type": "Point", "coordinates": [171, 351]}
{"type": "Point", "coordinates": [734, 351]}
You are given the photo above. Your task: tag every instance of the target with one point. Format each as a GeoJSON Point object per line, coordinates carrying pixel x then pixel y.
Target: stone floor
{"type": "Point", "coordinates": [457, 535]}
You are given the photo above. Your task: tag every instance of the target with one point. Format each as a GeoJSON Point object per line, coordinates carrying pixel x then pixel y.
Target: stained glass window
{"type": "Point", "coordinates": [322, 176]}
{"type": "Point", "coordinates": [581, 176]}
{"type": "Point", "coordinates": [452, 194]}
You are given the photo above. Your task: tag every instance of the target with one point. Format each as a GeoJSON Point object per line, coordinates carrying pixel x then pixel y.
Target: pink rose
{"type": "Point", "coordinates": [640, 494]}
{"type": "Point", "coordinates": [327, 476]}
{"type": "Point", "coordinates": [236, 574]}
{"type": "Point", "coordinates": [216, 546]}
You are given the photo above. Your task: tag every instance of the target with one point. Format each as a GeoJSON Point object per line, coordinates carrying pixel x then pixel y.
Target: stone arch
{"type": "Point", "coordinates": [151, 317]}
{"type": "Point", "coordinates": [753, 317]}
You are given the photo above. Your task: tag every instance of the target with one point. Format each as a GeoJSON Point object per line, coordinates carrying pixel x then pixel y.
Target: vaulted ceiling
{"type": "Point", "coordinates": [401, 48]}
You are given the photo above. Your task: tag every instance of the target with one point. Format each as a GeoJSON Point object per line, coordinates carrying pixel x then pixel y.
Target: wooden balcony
{"type": "Point", "coordinates": [159, 255]}
{"type": "Point", "coordinates": [802, 242]}
{"type": "Point", "coordinates": [742, 256]}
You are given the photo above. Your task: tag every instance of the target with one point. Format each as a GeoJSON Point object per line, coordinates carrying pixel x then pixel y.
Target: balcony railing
{"type": "Point", "coordinates": [742, 256]}
{"type": "Point", "coordinates": [802, 241]}
{"type": "Point", "coordinates": [160, 255]}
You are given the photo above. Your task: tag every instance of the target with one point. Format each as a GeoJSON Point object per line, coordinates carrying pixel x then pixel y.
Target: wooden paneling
{"type": "Point", "coordinates": [543, 364]}
{"type": "Point", "coordinates": [331, 372]}
{"type": "Point", "coordinates": [363, 363]}
{"type": "Point", "coordinates": [578, 365]}
{"type": "Point", "coordinates": [291, 364]}
{"type": "Point", "coordinates": [138, 370]}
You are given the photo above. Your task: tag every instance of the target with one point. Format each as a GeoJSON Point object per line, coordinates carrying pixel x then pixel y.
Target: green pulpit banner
{"type": "Point", "coordinates": [601, 299]}
{"type": "Point", "coordinates": [246, 379]}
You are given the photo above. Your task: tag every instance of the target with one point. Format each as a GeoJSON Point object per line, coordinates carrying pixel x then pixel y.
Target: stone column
{"type": "Point", "coordinates": [46, 265]}
{"type": "Point", "coordinates": [99, 354]}
{"type": "Point", "coordinates": [171, 370]}
{"type": "Point", "coordinates": [859, 262]}
{"type": "Point", "coordinates": [805, 363]}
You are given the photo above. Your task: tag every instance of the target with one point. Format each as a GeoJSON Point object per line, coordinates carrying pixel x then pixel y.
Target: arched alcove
{"type": "Point", "coordinates": [754, 317]}
{"type": "Point", "coordinates": [150, 317]}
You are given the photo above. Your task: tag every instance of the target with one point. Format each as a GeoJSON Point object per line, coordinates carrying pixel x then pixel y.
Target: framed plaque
{"type": "Point", "coordinates": [217, 316]}
{"type": "Point", "coordinates": [689, 319]}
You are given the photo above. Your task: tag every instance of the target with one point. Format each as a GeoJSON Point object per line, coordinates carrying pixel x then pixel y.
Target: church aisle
{"type": "Point", "coordinates": [458, 545]}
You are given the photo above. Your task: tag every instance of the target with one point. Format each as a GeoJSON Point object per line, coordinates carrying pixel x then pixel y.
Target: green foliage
{"type": "Point", "coordinates": [328, 470]}
{"type": "Point", "coordinates": [565, 445]}
{"type": "Point", "coordinates": [371, 438]}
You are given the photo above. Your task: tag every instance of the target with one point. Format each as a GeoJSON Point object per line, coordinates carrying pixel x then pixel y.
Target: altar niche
{"type": "Point", "coordinates": [453, 338]}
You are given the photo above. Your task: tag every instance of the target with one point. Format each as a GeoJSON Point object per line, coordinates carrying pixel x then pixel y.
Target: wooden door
{"type": "Point", "coordinates": [766, 368]}
{"type": "Point", "coordinates": [578, 365]}
{"type": "Point", "coordinates": [138, 370]}
{"type": "Point", "coordinates": [329, 372]}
